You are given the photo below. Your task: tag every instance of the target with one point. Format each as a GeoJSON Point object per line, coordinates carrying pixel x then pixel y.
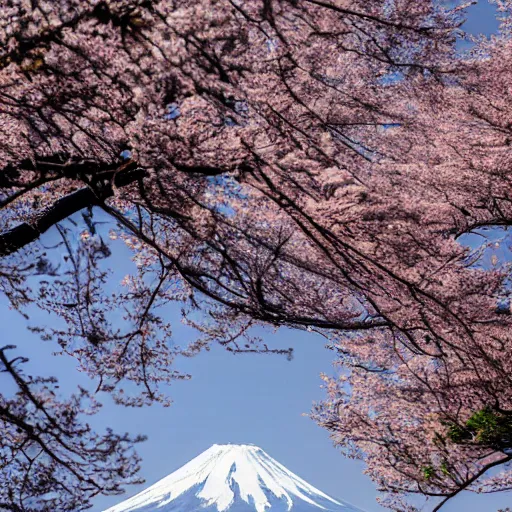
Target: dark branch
{"type": "Point", "coordinates": [18, 237]}
{"type": "Point", "coordinates": [468, 482]}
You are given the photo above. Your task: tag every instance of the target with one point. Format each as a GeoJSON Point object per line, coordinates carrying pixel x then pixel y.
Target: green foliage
{"type": "Point", "coordinates": [428, 472]}
{"type": "Point", "coordinates": [444, 469]}
{"type": "Point", "coordinates": [486, 427]}
{"type": "Point", "coordinates": [457, 434]}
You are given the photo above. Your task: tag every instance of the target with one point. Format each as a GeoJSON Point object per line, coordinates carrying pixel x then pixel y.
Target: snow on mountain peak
{"type": "Point", "coordinates": [229, 474]}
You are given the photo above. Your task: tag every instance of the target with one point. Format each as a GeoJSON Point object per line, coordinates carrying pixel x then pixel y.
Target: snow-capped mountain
{"type": "Point", "coordinates": [234, 478]}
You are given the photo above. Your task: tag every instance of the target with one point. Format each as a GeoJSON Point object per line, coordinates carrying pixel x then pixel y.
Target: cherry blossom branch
{"type": "Point", "coordinates": [474, 478]}
{"type": "Point", "coordinates": [23, 234]}
{"type": "Point", "coordinates": [49, 445]}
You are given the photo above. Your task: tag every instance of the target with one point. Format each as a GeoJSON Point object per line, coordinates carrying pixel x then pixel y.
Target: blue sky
{"type": "Point", "coordinates": [241, 399]}
{"type": "Point", "coordinates": [481, 19]}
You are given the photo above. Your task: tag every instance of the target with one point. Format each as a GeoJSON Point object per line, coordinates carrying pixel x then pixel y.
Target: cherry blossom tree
{"type": "Point", "coordinates": [50, 457]}
{"type": "Point", "coordinates": [289, 162]}
{"type": "Point", "coordinates": [426, 404]}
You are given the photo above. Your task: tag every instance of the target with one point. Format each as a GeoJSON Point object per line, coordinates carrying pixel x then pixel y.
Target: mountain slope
{"type": "Point", "coordinates": [238, 478]}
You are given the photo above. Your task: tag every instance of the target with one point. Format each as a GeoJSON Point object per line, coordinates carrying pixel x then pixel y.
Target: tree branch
{"type": "Point", "coordinates": [468, 482]}
{"type": "Point", "coordinates": [18, 237]}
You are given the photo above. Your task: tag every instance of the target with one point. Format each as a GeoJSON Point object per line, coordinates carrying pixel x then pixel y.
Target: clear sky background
{"type": "Point", "coordinates": [239, 399]}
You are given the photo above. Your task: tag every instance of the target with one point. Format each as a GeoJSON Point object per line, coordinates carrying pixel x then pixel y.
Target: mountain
{"type": "Point", "coordinates": [234, 478]}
